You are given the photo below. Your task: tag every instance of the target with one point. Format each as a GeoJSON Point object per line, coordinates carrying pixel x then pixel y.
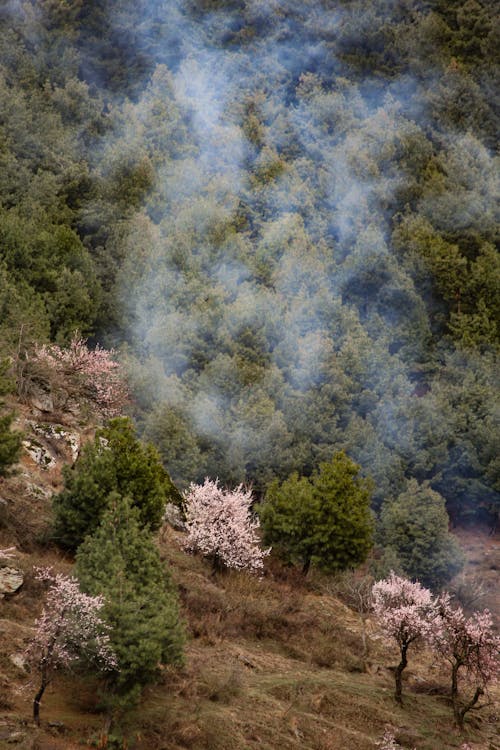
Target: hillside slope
{"type": "Point", "coordinates": [269, 663]}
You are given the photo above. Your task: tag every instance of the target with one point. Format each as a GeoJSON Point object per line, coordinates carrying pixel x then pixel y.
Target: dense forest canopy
{"type": "Point", "coordinates": [285, 213]}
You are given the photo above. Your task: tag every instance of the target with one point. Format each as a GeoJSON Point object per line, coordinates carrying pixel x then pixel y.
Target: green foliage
{"type": "Point", "coordinates": [324, 520]}
{"type": "Point", "coordinates": [10, 442]}
{"type": "Point", "coordinates": [115, 462]}
{"type": "Point", "coordinates": [120, 561]}
{"type": "Point", "coordinates": [295, 250]}
{"type": "Point", "coordinates": [414, 526]}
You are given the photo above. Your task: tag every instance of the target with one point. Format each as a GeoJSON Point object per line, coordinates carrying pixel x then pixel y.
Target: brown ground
{"type": "Point", "coordinates": [271, 664]}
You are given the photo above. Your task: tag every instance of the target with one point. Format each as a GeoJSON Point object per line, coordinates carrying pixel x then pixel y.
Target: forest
{"type": "Point", "coordinates": [283, 214]}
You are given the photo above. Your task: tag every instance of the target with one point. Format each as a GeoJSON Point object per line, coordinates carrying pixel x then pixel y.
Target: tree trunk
{"type": "Point", "coordinates": [306, 566]}
{"type": "Point", "coordinates": [37, 701]}
{"type": "Point", "coordinates": [459, 713]}
{"type": "Point", "coordinates": [454, 695]}
{"type": "Point", "coordinates": [217, 565]}
{"type": "Point", "coordinates": [365, 642]}
{"type": "Point", "coordinates": [398, 675]}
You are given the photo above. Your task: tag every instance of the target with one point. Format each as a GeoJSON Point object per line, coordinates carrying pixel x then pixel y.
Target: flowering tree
{"type": "Point", "coordinates": [406, 611]}
{"type": "Point", "coordinates": [92, 374]}
{"type": "Point", "coordinates": [471, 647]}
{"type": "Point", "coordinates": [220, 526]}
{"type": "Point", "coordinates": [68, 630]}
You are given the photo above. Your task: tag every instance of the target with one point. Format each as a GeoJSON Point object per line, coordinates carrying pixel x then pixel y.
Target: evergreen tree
{"type": "Point", "coordinates": [120, 562]}
{"type": "Point", "coordinates": [415, 526]}
{"type": "Point", "coordinates": [115, 462]}
{"type": "Point", "coordinates": [324, 520]}
{"type": "Point", "coordinates": [10, 442]}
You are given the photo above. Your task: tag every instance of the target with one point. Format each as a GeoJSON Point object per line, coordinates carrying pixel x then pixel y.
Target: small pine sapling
{"type": "Point", "coordinates": [406, 612]}
{"type": "Point", "coordinates": [69, 630]}
{"type": "Point", "coordinates": [220, 526]}
{"type": "Point", "coordinates": [472, 649]}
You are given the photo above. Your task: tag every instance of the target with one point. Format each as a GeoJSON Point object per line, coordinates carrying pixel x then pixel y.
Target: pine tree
{"type": "Point", "coordinates": [324, 520]}
{"type": "Point", "coordinates": [120, 562]}
{"type": "Point", "coordinates": [10, 442]}
{"type": "Point", "coordinates": [115, 462]}
{"type": "Point", "coordinates": [415, 527]}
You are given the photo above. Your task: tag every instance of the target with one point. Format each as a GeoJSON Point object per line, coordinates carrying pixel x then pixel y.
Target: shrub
{"type": "Point", "coordinates": [10, 442]}
{"type": "Point", "coordinates": [75, 372]}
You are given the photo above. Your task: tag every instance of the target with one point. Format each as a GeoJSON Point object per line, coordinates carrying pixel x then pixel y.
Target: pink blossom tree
{"type": "Point", "coordinates": [406, 612]}
{"type": "Point", "coordinates": [220, 526]}
{"type": "Point", "coordinates": [69, 630]}
{"type": "Point", "coordinates": [472, 649]}
{"type": "Point", "coordinates": [92, 374]}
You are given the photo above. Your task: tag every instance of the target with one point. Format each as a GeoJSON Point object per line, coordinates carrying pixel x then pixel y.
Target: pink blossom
{"type": "Point", "coordinates": [94, 372]}
{"type": "Point", "coordinates": [472, 649]}
{"type": "Point", "coordinates": [68, 630]}
{"type": "Point", "coordinates": [406, 612]}
{"type": "Point", "coordinates": [403, 609]}
{"type": "Point", "coordinates": [220, 526]}
{"type": "Point", "coordinates": [388, 742]}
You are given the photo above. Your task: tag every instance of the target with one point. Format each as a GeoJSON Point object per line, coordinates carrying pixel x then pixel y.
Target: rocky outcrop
{"type": "Point", "coordinates": [11, 580]}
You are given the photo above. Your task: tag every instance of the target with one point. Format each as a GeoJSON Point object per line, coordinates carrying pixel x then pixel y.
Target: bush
{"type": "Point", "coordinates": [74, 373]}
{"type": "Point", "coordinates": [10, 442]}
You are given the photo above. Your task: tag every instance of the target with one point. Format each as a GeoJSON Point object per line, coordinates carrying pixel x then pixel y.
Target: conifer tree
{"type": "Point", "coordinates": [120, 562]}
{"type": "Point", "coordinates": [324, 520]}
{"type": "Point", "coordinates": [415, 527]}
{"type": "Point", "coordinates": [10, 442]}
{"type": "Point", "coordinates": [115, 462]}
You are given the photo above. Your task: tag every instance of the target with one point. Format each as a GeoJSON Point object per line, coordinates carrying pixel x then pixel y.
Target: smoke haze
{"type": "Point", "coordinates": [278, 305]}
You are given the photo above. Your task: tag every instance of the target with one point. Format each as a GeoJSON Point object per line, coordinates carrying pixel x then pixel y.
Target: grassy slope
{"type": "Point", "coordinates": [270, 664]}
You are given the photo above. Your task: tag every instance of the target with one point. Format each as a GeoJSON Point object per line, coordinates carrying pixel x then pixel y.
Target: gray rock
{"type": "Point", "coordinates": [16, 737]}
{"type": "Point", "coordinates": [19, 661]}
{"type": "Point", "coordinates": [56, 432]}
{"type": "Point", "coordinates": [11, 579]}
{"type": "Point", "coordinates": [42, 401]}
{"type": "Point", "coordinates": [39, 454]}
{"type": "Point", "coordinates": [173, 516]}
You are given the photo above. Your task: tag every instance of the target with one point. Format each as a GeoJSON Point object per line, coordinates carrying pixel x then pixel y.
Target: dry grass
{"type": "Point", "coordinates": [274, 664]}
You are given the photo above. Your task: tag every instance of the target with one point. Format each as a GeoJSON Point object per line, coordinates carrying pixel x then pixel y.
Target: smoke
{"type": "Point", "coordinates": [266, 301]}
